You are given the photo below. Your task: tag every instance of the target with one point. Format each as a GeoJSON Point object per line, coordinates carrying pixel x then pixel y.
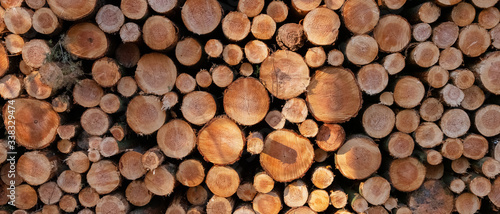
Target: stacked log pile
{"type": "Point", "coordinates": [250, 106]}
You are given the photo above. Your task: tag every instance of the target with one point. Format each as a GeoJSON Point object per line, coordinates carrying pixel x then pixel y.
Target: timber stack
{"type": "Point", "coordinates": [249, 106]}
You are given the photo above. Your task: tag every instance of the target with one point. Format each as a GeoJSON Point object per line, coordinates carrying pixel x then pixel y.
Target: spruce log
{"type": "Point", "coordinates": [255, 143]}
{"type": "Point", "coordinates": [169, 100]}
{"type": "Point", "coordinates": [36, 168]}
{"type": "Point", "coordinates": [34, 53]}
{"type": "Point", "coordinates": [137, 193]}
{"type": "Point", "coordinates": [425, 54]}
{"type": "Point", "coordinates": [284, 149]}
{"type": "Point", "coordinates": [72, 10]}
{"type": "Point", "coordinates": [450, 58]}
{"type": "Point", "coordinates": [421, 32]}
{"type": "Point", "coordinates": [408, 92]}
{"type": "Point", "coordinates": [431, 109]}
{"type": "Point", "coordinates": [335, 57]}
{"type": "Point", "coordinates": [111, 103]}
{"type": "Point", "coordinates": [361, 49]}
{"type": "Point", "coordinates": [115, 203]}
{"type": "Point", "coordinates": [103, 176]}
{"type": "Point", "coordinates": [455, 123]}
{"type": "Point", "coordinates": [10, 87]}
{"type": "Point", "coordinates": [18, 20]}
{"type": "Point", "coordinates": [14, 43]}
{"type": "Point", "coordinates": [263, 26]}
{"type": "Point", "coordinates": [200, 16]}
{"type": "Point", "coordinates": [127, 54]}
{"type": "Point", "coordinates": [407, 120]}
{"type": "Point", "coordinates": [220, 205]}
{"type": "Point", "coordinates": [221, 141]}
{"type": "Point", "coordinates": [49, 193]}
{"type": "Point", "coordinates": [87, 41]}
{"type": "Point", "coordinates": [197, 195]}
{"type": "Point", "coordinates": [232, 55]}
{"type": "Point", "coordinates": [130, 32]}
{"type": "Point", "coordinates": [360, 16]}
{"type": "Point", "coordinates": [487, 72]}
{"type": "Point", "coordinates": [427, 12]}
{"type": "Point", "coordinates": [110, 18]}
{"type": "Point", "coordinates": [428, 135]}
{"type": "Point", "coordinates": [190, 173]}
{"type": "Point", "coordinates": [246, 101]}
{"type": "Point", "coordinates": [318, 200]}
{"type": "Point", "coordinates": [295, 110]}
{"type": "Point", "coordinates": [222, 181]}
{"type": "Point", "coordinates": [130, 165]}
{"type": "Point", "coordinates": [246, 191]}
{"type": "Point", "coordinates": [494, 195]}
{"type": "Point", "coordinates": [463, 79]}
{"type": "Point", "coordinates": [475, 146]}
{"type": "Point", "coordinates": [308, 128]}
{"type": "Point", "coordinates": [399, 145]}
{"type": "Point", "coordinates": [26, 197]}
{"type": "Point", "coordinates": [467, 203]}
{"type": "Point", "coordinates": [70, 181]}
{"type": "Point", "coordinates": [296, 194]}
{"type": "Point", "coordinates": [463, 14]}
{"type": "Point", "coordinates": [358, 158]}
{"type": "Point", "coordinates": [473, 40]}
{"type": "Point", "coordinates": [275, 119]}
{"type": "Point", "coordinates": [164, 7]}
{"type": "Point", "coordinates": [321, 26]}
{"type": "Point", "coordinates": [106, 72]}
{"type": "Point", "coordinates": [392, 33]}
{"type": "Point", "coordinates": [322, 177]}
{"type": "Point", "coordinates": [452, 148]}
{"type": "Point", "coordinates": [267, 203]}
{"type": "Point", "coordinates": [277, 10]}
{"type": "Point", "coordinates": [487, 120]}
{"type": "Point", "coordinates": [460, 165]}
{"type": "Point", "coordinates": [134, 9]}
{"type": "Point", "coordinates": [256, 51]}
{"type": "Point", "coordinates": [95, 122]}
{"type": "Point", "coordinates": [407, 174]}
{"type": "Point", "coordinates": [176, 139]}
{"type": "Point", "coordinates": [213, 48]}
{"type": "Point", "coordinates": [236, 26]}
{"type": "Point", "coordinates": [372, 79]}
{"type": "Point", "coordinates": [161, 181]}
{"type": "Point", "coordinates": [262, 182]}
{"type": "Point", "coordinates": [378, 120]}
{"type": "Point", "coordinates": [36, 122]}
{"type": "Point", "coordinates": [156, 73]}
{"type": "Point", "coordinates": [333, 95]}
{"type": "Point", "coordinates": [285, 74]}
{"type": "Point", "coordinates": [291, 36]}
{"type": "Point", "coordinates": [78, 162]}
{"type": "Point", "coordinates": [445, 34]}
{"type": "Point", "coordinates": [198, 107]}
{"type": "Point", "coordinates": [204, 78]}
{"type": "Point", "coordinates": [144, 114]}
{"type": "Point", "coordinates": [45, 21]}
{"type": "Point", "coordinates": [188, 51]}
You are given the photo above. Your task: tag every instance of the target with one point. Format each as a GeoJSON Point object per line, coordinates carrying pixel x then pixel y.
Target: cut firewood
{"type": "Point", "coordinates": [267, 203]}
{"type": "Point", "coordinates": [36, 122]}
{"type": "Point", "coordinates": [200, 16]}
{"type": "Point", "coordinates": [145, 114]}
{"type": "Point", "coordinates": [246, 101]}
{"type": "Point", "coordinates": [103, 176]}
{"type": "Point", "coordinates": [296, 194]}
{"type": "Point", "coordinates": [263, 26]}
{"type": "Point", "coordinates": [198, 107]}
{"type": "Point", "coordinates": [134, 9]}
{"type": "Point", "coordinates": [285, 74]}
{"type": "Point", "coordinates": [473, 40]}
{"type": "Point", "coordinates": [358, 158]}
{"type": "Point", "coordinates": [72, 10]}
{"type": "Point", "coordinates": [281, 151]}
{"type": "Point", "coordinates": [86, 40]}
{"type": "Point", "coordinates": [190, 173]}
{"type": "Point", "coordinates": [277, 10]}
{"type": "Point", "coordinates": [378, 120]}
{"type": "Point", "coordinates": [392, 33]}
{"type": "Point", "coordinates": [487, 120]}
{"type": "Point", "coordinates": [408, 92]}
{"type": "Point", "coordinates": [406, 174]}
{"type": "Point", "coordinates": [221, 141]}
{"type": "Point", "coordinates": [399, 145]}
{"type": "Point", "coordinates": [161, 181]}
{"type": "Point", "coordinates": [110, 18]}
{"type": "Point", "coordinates": [333, 95]}
{"type": "Point", "coordinates": [361, 49]}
